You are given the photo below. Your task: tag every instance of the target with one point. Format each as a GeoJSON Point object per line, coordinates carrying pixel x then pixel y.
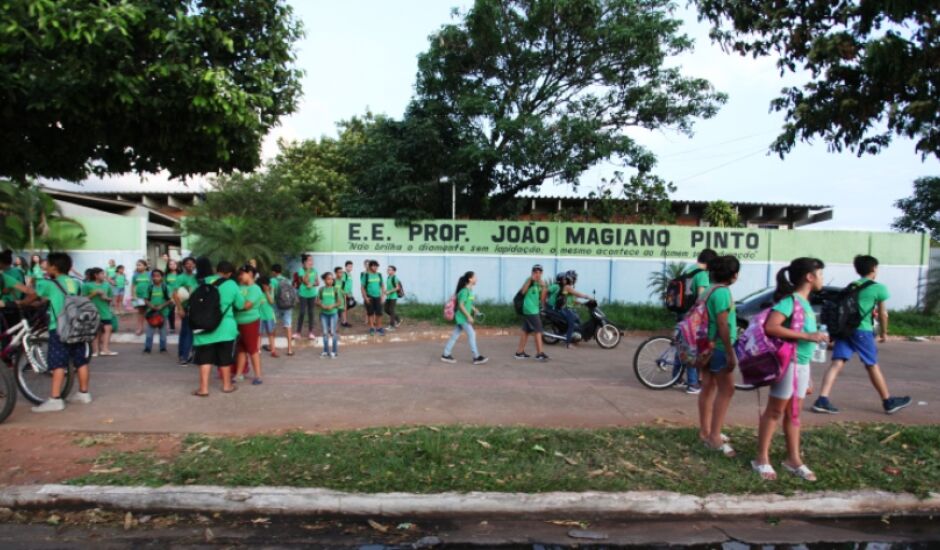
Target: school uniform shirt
{"type": "Point", "coordinates": [373, 284]}
{"type": "Point", "coordinates": [187, 281]}
{"type": "Point", "coordinates": [230, 299]}
{"type": "Point", "coordinates": [307, 291]}
{"type": "Point", "coordinates": [171, 280]}
{"type": "Point", "coordinates": [46, 288]}
{"type": "Point", "coordinates": [553, 290]}
{"type": "Point", "coordinates": [700, 281]}
{"type": "Point", "coordinates": [14, 276]}
{"type": "Point", "coordinates": [8, 283]}
{"type": "Point", "coordinates": [719, 301]}
{"type": "Point", "coordinates": [391, 285]}
{"type": "Point", "coordinates": [250, 293]}
{"type": "Point", "coordinates": [532, 301]}
{"type": "Point", "coordinates": [341, 296]}
{"type": "Point", "coordinates": [267, 308]}
{"type": "Point", "coordinates": [120, 282]}
{"type": "Point", "coordinates": [804, 348]}
{"type": "Point", "coordinates": [36, 272]}
{"type": "Point", "coordinates": [329, 296]}
{"type": "Point", "coordinates": [465, 297]}
{"type": "Point", "coordinates": [103, 304]}
{"type": "Point", "coordinates": [157, 295]}
{"type": "Point", "coordinates": [111, 272]}
{"type": "Point", "coordinates": [868, 300]}
{"type": "Point", "coordinates": [140, 282]}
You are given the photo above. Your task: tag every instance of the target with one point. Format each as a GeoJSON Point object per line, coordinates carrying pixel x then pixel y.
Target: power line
{"type": "Point", "coordinates": [712, 145]}
{"type": "Point", "coordinates": [749, 155]}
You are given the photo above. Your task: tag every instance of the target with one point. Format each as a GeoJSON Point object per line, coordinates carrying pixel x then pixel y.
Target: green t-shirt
{"type": "Point", "coordinates": [140, 282]}
{"type": "Point", "coordinates": [373, 284]}
{"type": "Point", "coordinates": [14, 276]}
{"type": "Point", "coordinates": [36, 272]}
{"type": "Point", "coordinates": [553, 290]}
{"type": "Point", "coordinates": [868, 300]}
{"type": "Point", "coordinates": [700, 281]}
{"type": "Point", "coordinates": [111, 272]}
{"type": "Point", "coordinates": [267, 307]}
{"type": "Point", "coordinates": [720, 301]}
{"type": "Point", "coordinates": [308, 290]}
{"type": "Point", "coordinates": [229, 299]}
{"type": "Point", "coordinates": [250, 293]}
{"type": "Point", "coordinates": [346, 282]}
{"type": "Point", "coordinates": [804, 348]}
{"type": "Point", "coordinates": [103, 304]}
{"type": "Point", "coordinates": [187, 281]}
{"type": "Point", "coordinates": [391, 285]}
{"type": "Point", "coordinates": [172, 280]}
{"type": "Point", "coordinates": [329, 296]}
{"type": "Point", "coordinates": [158, 296]}
{"type": "Point", "coordinates": [120, 282]}
{"type": "Point", "coordinates": [9, 282]}
{"type": "Point", "coordinates": [532, 301]}
{"type": "Point", "coordinates": [465, 297]}
{"type": "Point", "coordinates": [47, 289]}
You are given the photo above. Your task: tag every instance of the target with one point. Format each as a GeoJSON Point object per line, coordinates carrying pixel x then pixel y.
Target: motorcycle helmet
{"type": "Point", "coordinates": [572, 276]}
{"type": "Point", "coordinates": [561, 277]}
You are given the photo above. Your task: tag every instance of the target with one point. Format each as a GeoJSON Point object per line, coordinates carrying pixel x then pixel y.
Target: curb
{"type": "Point", "coordinates": [345, 338]}
{"type": "Point", "coordinates": [641, 504]}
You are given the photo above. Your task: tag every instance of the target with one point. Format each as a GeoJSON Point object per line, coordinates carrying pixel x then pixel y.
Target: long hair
{"type": "Point", "coordinates": [463, 281]}
{"type": "Point", "coordinates": [790, 277]}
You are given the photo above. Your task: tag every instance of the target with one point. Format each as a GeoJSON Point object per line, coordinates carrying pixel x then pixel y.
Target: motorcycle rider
{"type": "Point", "coordinates": [567, 299]}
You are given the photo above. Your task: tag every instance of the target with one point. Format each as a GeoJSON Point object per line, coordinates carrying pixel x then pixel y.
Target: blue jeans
{"type": "Point", "coordinates": [471, 336]}
{"type": "Point", "coordinates": [186, 340]}
{"type": "Point", "coordinates": [572, 320]}
{"type": "Point", "coordinates": [328, 327]}
{"type": "Point", "coordinates": [148, 342]}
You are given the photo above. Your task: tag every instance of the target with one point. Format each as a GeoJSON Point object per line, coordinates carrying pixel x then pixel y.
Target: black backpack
{"type": "Point", "coordinates": [680, 293]}
{"type": "Point", "coordinates": [517, 302]}
{"type": "Point", "coordinates": [843, 315]}
{"type": "Point", "coordinates": [205, 307]}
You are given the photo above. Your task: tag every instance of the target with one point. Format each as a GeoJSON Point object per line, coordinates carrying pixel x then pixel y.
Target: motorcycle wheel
{"type": "Point", "coordinates": [608, 336]}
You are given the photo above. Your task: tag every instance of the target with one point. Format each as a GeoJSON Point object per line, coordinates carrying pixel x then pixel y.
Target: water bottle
{"type": "Point", "coordinates": [822, 348]}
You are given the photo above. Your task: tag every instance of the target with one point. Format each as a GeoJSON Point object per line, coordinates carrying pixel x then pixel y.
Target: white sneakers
{"type": "Point", "coordinates": [57, 405]}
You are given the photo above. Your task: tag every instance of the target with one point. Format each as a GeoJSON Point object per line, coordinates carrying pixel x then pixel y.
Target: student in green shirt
{"type": "Point", "coordinates": [217, 347]}
{"type": "Point", "coordinates": [185, 281]}
{"type": "Point", "coordinates": [111, 271]}
{"type": "Point", "coordinates": [249, 325]}
{"type": "Point", "coordinates": [392, 294]}
{"type": "Point", "coordinates": [9, 280]}
{"type": "Point", "coordinates": [373, 293]}
{"type": "Point", "coordinates": [700, 283]}
{"type": "Point", "coordinates": [718, 374]}
{"type": "Point", "coordinates": [140, 282]}
{"type": "Point", "coordinates": [338, 273]}
{"type": "Point", "coordinates": [268, 327]}
{"type": "Point", "coordinates": [120, 283]}
{"type": "Point", "coordinates": [344, 281]}
{"type": "Point", "coordinates": [172, 274]}
{"type": "Point", "coordinates": [307, 292]}
{"type": "Point", "coordinates": [99, 290]}
{"type": "Point", "coordinates": [534, 292]}
{"type": "Point", "coordinates": [37, 269]}
{"type": "Point", "coordinates": [283, 316]}
{"type": "Point", "coordinates": [463, 319]}
{"type": "Point", "coordinates": [328, 301]}
{"type": "Point", "coordinates": [159, 305]}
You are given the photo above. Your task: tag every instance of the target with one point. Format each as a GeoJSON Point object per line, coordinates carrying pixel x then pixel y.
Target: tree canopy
{"type": "Point", "coordinates": [523, 91]}
{"type": "Point", "coordinates": [873, 65]}
{"type": "Point", "coordinates": [721, 214]}
{"type": "Point", "coordinates": [30, 219]}
{"type": "Point", "coordinates": [187, 86]}
{"type": "Point", "coordinates": [921, 211]}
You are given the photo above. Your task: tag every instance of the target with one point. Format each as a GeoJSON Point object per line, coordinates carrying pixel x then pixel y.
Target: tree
{"type": "Point", "coordinates": [658, 281]}
{"type": "Point", "coordinates": [187, 86]}
{"type": "Point", "coordinates": [721, 214]}
{"type": "Point", "coordinates": [31, 220]}
{"type": "Point", "coordinates": [648, 198]}
{"type": "Point", "coordinates": [250, 216]}
{"type": "Point", "coordinates": [921, 211]}
{"type": "Point", "coordinates": [524, 91]}
{"type": "Point", "coordinates": [315, 171]}
{"type": "Point", "coordinates": [872, 65]}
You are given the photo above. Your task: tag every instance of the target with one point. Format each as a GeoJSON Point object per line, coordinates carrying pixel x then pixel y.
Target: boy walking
{"type": "Point", "coordinates": [871, 299]}
{"type": "Point", "coordinates": [392, 293]}
{"type": "Point", "coordinates": [345, 283]}
{"type": "Point", "coordinates": [373, 292]}
{"type": "Point", "coordinates": [534, 291]}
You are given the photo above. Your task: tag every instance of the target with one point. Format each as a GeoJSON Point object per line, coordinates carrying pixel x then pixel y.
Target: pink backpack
{"type": "Point", "coordinates": [450, 308]}
{"type": "Point", "coordinates": [695, 349]}
{"type": "Point", "coordinates": [763, 359]}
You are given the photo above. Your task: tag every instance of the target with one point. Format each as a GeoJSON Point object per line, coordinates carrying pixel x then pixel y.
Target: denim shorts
{"type": "Point", "coordinates": [862, 342]}
{"type": "Point", "coordinates": [284, 316]}
{"type": "Point", "coordinates": [718, 362]}
{"type": "Point", "coordinates": [60, 353]}
{"type": "Point", "coordinates": [267, 326]}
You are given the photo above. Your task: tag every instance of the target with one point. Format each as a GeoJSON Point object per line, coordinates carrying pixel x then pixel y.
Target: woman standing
{"type": "Point", "coordinates": [173, 271]}
{"type": "Point", "coordinates": [463, 317]}
{"type": "Point", "coordinates": [140, 283]}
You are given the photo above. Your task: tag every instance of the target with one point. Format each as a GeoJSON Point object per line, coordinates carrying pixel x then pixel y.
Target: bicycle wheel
{"type": "Point", "coordinates": [608, 336]}
{"type": "Point", "coordinates": [36, 383]}
{"type": "Point", "coordinates": [656, 363]}
{"type": "Point", "coordinates": [7, 392]}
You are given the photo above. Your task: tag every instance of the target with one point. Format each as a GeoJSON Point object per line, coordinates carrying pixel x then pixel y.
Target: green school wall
{"type": "Point", "coordinates": [111, 232]}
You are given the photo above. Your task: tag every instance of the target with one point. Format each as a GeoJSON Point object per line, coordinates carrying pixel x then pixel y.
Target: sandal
{"type": "Point", "coordinates": [724, 449]}
{"type": "Point", "coordinates": [290, 354]}
{"type": "Point", "coordinates": [275, 354]}
{"type": "Point", "coordinates": [765, 471]}
{"type": "Point", "coordinates": [197, 394]}
{"type": "Point", "coordinates": [802, 471]}
{"type": "Point", "coordinates": [256, 382]}
{"type": "Point", "coordinates": [233, 390]}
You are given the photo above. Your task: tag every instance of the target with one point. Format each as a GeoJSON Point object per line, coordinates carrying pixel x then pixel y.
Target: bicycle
{"type": "Point", "coordinates": [26, 354]}
{"type": "Point", "coordinates": [657, 366]}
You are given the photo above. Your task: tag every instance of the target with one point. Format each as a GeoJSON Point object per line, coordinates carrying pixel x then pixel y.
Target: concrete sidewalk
{"type": "Point", "coordinates": [382, 383]}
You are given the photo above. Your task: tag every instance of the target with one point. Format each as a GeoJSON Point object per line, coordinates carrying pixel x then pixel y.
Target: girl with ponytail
{"type": "Point", "coordinates": [795, 283]}
{"type": "Point", "coordinates": [463, 318]}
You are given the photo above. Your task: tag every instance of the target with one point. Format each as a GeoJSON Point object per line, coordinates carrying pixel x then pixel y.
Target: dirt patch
{"type": "Point", "coordinates": [30, 456]}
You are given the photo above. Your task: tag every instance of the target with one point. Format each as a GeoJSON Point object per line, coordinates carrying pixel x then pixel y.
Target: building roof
{"type": "Point", "coordinates": [570, 197]}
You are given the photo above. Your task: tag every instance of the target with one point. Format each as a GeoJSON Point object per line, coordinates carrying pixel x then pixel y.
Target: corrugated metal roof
{"type": "Point", "coordinates": [684, 201]}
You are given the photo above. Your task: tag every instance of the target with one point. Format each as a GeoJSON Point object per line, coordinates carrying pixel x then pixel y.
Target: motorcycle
{"type": "Point", "coordinates": [597, 326]}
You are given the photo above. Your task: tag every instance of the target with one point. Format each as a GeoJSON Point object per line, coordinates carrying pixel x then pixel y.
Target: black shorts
{"type": "Point", "coordinates": [61, 354]}
{"type": "Point", "coordinates": [374, 306]}
{"type": "Point", "coordinates": [531, 323]}
{"type": "Point", "coordinates": [220, 354]}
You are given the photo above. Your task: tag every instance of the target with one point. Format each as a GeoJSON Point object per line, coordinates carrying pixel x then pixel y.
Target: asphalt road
{"type": "Point", "coordinates": [384, 383]}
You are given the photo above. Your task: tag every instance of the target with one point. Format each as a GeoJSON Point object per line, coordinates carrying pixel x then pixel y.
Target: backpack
{"type": "Point", "coordinates": [843, 315]}
{"type": "Point", "coordinates": [286, 297]}
{"type": "Point", "coordinates": [694, 347]}
{"type": "Point", "coordinates": [205, 307]}
{"type": "Point", "coordinates": [401, 287]}
{"type": "Point", "coordinates": [680, 292]}
{"type": "Point", "coordinates": [79, 319]}
{"type": "Point", "coordinates": [450, 308]}
{"type": "Point", "coordinates": [518, 301]}
{"type": "Point", "coordinates": [166, 293]}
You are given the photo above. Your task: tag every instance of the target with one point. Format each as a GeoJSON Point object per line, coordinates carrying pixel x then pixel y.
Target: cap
{"type": "Point", "coordinates": [537, 267]}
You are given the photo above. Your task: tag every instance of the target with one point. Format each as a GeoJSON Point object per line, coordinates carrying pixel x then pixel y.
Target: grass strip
{"type": "Point", "coordinates": [455, 458]}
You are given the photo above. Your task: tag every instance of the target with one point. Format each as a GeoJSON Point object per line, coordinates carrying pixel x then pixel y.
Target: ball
{"type": "Point", "coordinates": [183, 294]}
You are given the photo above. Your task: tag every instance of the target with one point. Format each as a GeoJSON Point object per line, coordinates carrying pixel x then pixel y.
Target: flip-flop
{"type": "Point", "coordinates": [197, 394]}
{"type": "Point", "coordinates": [765, 471]}
{"type": "Point", "coordinates": [233, 390]}
{"type": "Point", "coordinates": [803, 472]}
{"type": "Point", "coordinates": [724, 449]}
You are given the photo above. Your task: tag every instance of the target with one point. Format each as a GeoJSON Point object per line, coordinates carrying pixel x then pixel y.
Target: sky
{"type": "Point", "coordinates": [362, 54]}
